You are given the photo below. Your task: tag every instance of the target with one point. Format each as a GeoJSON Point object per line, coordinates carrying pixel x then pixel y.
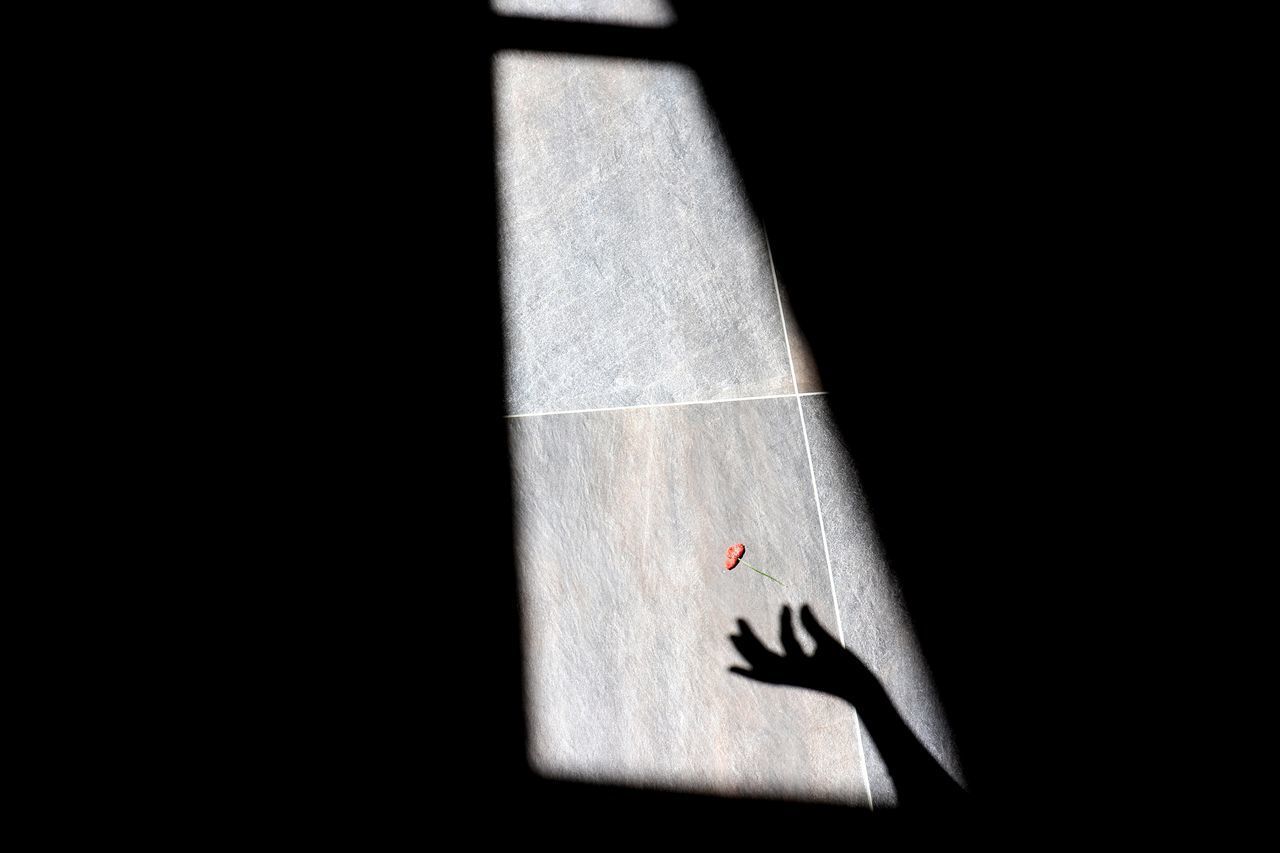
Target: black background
{"type": "Point", "coordinates": [946, 196]}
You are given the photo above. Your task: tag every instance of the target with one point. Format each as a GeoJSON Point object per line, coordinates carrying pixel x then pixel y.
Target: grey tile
{"type": "Point", "coordinates": [622, 519]}
{"type": "Point", "coordinates": [641, 13]}
{"type": "Point", "coordinates": [876, 625]}
{"type": "Point", "coordinates": [633, 268]}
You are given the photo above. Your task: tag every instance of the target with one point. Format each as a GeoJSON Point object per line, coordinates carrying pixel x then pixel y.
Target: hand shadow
{"type": "Point", "coordinates": [833, 669]}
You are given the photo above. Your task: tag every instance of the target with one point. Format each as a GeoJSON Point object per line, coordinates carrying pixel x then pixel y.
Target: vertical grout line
{"type": "Point", "coordinates": [813, 479]}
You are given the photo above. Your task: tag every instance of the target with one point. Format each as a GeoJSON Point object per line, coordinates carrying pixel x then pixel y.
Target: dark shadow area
{"type": "Point", "coordinates": [912, 174]}
{"type": "Point", "coordinates": [912, 186]}
{"type": "Point", "coordinates": [923, 178]}
{"type": "Point", "coordinates": [919, 201]}
{"type": "Point", "coordinates": [547, 36]}
{"type": "Point", "coordinates": [929, 183]}
{"type": "Point", "coordinates": [920, 782]}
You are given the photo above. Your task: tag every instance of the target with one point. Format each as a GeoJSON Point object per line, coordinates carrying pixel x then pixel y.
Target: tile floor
{"type": "Point", "coordinates": [660, 409]}
{"type": "Point", "coordinates": [634, 13]}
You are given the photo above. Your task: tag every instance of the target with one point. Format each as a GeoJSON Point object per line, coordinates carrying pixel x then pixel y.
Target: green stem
{"type": "Point", "coordinates": [757, 571]}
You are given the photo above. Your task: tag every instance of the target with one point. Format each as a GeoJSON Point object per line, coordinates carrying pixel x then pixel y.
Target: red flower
{"type": "Point", "coordinates": [733, 555]}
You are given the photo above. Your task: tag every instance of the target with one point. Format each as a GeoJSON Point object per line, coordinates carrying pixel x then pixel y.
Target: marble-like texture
{"type": "Point", "coordinates": [633, 269]}
{"type": "Point", "coordinates": [876, 625]}
{"type": "Point", "coordinates": [634, 273]}
{"type": "Point", "coordinates": [635, 13]}
{"type": "Point", "coordinates": [622, 519]}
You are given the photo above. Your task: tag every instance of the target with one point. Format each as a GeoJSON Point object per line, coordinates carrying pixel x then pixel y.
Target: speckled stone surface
{"type": "Point", "coordinates": [622, 519]}
{"type": "Point", "coordinates": [634, 273]}
{"type": "Point", "coordinates": [633, 269]}
{"type": "Point", "coordinates": [876, 625]}
{"type": "Point", "coordinates": [635, 13]}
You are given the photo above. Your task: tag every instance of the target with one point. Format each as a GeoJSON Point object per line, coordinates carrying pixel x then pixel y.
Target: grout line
{"type": "Point", "coordinates": [777, 292]}
{"type": "Point", "coordinates": [666, 405]}
{"type": "Point", "coordinates": [813, 479]}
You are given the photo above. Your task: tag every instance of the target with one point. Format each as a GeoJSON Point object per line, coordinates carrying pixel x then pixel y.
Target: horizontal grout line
{"type": "Point", "coordinates": [668, 405]}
